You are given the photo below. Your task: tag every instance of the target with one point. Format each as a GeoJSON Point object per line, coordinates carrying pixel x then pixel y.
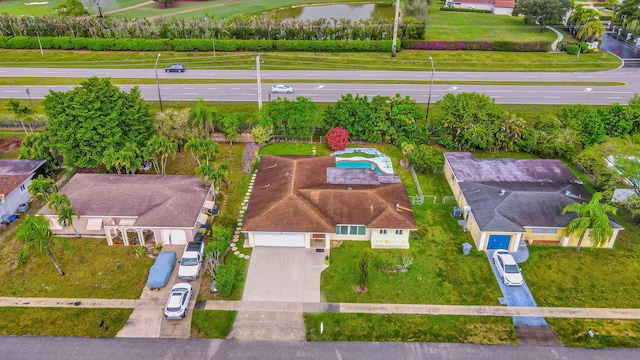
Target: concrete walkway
{"type": "Point", "coordinates": [425, 309]}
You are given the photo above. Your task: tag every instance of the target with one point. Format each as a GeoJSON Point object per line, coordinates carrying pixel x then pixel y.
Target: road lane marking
{"type": "Point", "coordinates": [212, 88]}
{"type": "Point", "coordinates": [189, 93]}
{"type": "Point", "coordinates": [11, 91]}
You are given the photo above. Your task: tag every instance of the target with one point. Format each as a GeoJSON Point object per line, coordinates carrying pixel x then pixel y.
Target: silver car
{"type": "Point", "coordinates": [282, 89]}
{"type": "Point", "coordinates": [178, 301]}
{"type": "Point", "coordinates": [507, 268]}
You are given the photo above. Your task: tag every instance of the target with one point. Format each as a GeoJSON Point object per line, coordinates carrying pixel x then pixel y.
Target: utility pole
{"type": "Point", "coordinates": [395, 29]}
{"type": "Point", "coordinates": [155, 67]}
{"type": "Point", "coordinates": [259, 82]}
{"type": "Point", "coordinates": [433, 70]}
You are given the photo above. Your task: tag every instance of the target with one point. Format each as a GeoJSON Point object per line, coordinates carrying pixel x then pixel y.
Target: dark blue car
{"type": "Point", "coordinates": [161, 269]}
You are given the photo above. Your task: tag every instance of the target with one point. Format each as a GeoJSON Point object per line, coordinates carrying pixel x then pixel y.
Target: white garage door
{"type": "Point", "coordinates": [279, 239]}
{"type": "Point", "coordinates": [174, 237]}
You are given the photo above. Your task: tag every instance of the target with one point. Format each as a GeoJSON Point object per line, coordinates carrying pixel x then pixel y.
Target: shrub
{"type": "Point", "coordinates": [225, 277]}
{"type": "Point", "coordinates": [337, 138]}
{"type": "Point", "coordinates": [385, 262]}
{"type": "Point", "coordinates": [425, 159]}
{"type": "Point", "coordinates": [444, 8]}
{"type": "Point", "coordinates": [528, 46]}
{"type": "Point", "coordinates": [572, 49]}
{"type": "Point", "coordinates": [363, 279]}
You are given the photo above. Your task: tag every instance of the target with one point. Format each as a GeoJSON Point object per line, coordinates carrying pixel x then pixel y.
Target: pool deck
{"type": "Point", "coordinates": [382, 161]}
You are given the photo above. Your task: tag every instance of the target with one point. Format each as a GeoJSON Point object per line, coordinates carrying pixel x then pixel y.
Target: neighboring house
{"type": "Point", "coordinates": [508, 200]}
{"type": "Point", "coordinates": [499, 7]}
{"type": "Point", "coordinates": [304, 201]}
{"type": "Point", "coordinates": [135, 209]}
{"type": "Point", "coordinates": [15, 178]}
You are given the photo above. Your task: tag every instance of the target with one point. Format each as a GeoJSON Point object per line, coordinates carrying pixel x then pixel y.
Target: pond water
{"type": "Point", "coordinates": [384, 11]}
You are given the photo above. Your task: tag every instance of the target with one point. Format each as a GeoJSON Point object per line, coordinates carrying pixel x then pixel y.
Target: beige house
{"type": "Point", "coordinates": [304, 201]}
{"type": "Point", "coordinates": [135, 209]}
{"type": "Point", "coordinates": [504, 201]}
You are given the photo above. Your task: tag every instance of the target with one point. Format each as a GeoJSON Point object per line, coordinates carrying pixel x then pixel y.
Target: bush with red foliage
{"type": "Point", "coordinates": [337, 138]}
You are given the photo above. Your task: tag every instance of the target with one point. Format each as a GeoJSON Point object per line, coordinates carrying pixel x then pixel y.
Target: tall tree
{"type": "Point", "coordinates": [212, 175]}
{"type": "Point", "coordinates": [159, 148]}
{"type": "Point", "coordinates": [93, 117]}
{"type": "Point", "coordinates": [41, 188]}
{"type": "Point", "coordinates": [58, 201]}
{"type": "Point", "coordinates": [72, 8]}
{"type": "Point", "coordinates": [586, 23]}
{"type": "Point", "coordinates": [542, 12]}
{"type": "Point", "coordinates": [176, 126]}
{"type": "Point", "coordinates": [204, 116]}
{"type": "Point", "coordinates": [34, 232]}
{"type": "Point", "coordinates": [38, 146]}
{"type": "Point", "coordinates": [293, 119]}
{"type": "Point", "coordinates": [204, 151]}
{"type": "Point", "coordinates": [65, 217]}
{"type": "Point", "coordinates": [230, 126]}
{"type": "Point", "coordinates": [592, 216]}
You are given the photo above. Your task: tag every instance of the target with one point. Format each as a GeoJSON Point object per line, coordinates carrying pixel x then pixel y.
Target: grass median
{"type": "Point", "coordinates": [406, 60]}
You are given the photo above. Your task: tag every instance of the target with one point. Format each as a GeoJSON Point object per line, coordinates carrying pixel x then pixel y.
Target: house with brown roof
{"type": "Point", "coordinates": [15, 178]}
{"type": "Point", "coordinates": [499, 7]}
{"type": "Point", "coordinates": [135, 209]}
{"type": "Point", "coordinates": [306, 201]}
{"type": "Point", "coordinates": [504, 201]}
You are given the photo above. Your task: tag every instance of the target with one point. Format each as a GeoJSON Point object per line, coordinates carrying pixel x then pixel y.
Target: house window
{"type": "Point", "coordinates": [398, 232]}
{"type": "Point", "coordinates": [383, 232]}
{"type": "Point", "coordinates": [544, 230]}
{"type": "Point", "coordinates": [23, 189]}
{"type": "Point", "coordinates": [351, 229]}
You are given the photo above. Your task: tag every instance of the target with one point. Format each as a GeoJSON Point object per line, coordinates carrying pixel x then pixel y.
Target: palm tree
{"type": "Point", "coordinates": [202, 150]}
{"type": "Point", "coordinates": [58, 201]}
{"type": "Point", "coordinates": [65, 218]}
{"type": "Point", "coordinates": [592, 216]}
{"type": "Point", "coordinates": [38, 239]}
{"type": "Point", "coordinates": [163, 147]}
{"type": "Point", "coordinates": [41, 187]}
{"type": "Point", "coordinates": [203, 115]}
{"type": "Point", "coordinates": [212, 175]}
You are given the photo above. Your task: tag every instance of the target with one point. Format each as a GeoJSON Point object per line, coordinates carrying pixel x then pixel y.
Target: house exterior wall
{"type": "Point", "coordinates": [572, 241]}
{"type": "Point", "coordinates": [474, 230]}
{"type": "Point", "coordinates": [530, 237]}
{"type": "Point", "coordinates": [390, 240]}
{"type": "Point", "coordinates": [503, 11]}
{"type": "Point", "coordinates": [9, 205]}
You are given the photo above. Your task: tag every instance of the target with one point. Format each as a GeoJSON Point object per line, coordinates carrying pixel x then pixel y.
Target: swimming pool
{"type": "Point", "coordinates": [359, 165]}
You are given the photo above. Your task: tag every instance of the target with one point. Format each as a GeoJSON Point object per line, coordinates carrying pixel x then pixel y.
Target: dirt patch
{"type": "Point", "coordinates": [537, 336]}
{"type": "Point", "coordinates": [10, 147]}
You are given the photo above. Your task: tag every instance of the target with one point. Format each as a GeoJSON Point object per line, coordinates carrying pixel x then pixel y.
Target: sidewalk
{"type": "Point", "coordinates": [552, 312]}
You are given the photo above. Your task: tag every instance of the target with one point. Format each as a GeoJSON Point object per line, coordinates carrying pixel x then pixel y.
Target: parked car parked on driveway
{"type": "Point", "coordinates": [507, 268]}
{"type": "Point", "coordinates": [282, 89]}
{"type": "Point", "coordinates": [175, 68]}
{"type": "Point", "coordinates": [191, 261]}
{"type": "Point", "coordinates": [161, 269]}
{"type": "Point", "coordinates": [178, 301]}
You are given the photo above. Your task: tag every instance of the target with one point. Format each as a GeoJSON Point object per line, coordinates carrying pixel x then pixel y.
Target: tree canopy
{"type": "Point", "coordinates": [93, 117]}
{"type": "Point", "coordinates": [542, 12]}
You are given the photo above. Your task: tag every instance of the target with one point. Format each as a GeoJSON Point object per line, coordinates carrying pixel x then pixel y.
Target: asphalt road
{"type": "Point", "coordinates": [50, 348]}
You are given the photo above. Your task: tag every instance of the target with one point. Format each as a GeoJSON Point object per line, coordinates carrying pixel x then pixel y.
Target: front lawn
{"type": "Point", "coordinates": [90, 272]}
{"type": "Point", "coordinates": [400, 327]}
{"type": "Point", "coordinates": [607, 333]}
{"type": "Point", "coordinates": [212, 324]}
{"type": "Point", "coordinates": [20, 321]}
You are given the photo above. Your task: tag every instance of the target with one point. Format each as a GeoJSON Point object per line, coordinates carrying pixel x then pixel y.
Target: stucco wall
{"type": "Point", "coordinates": [9, 205]}
{"type": "Point", "coordinates": [389, 240]}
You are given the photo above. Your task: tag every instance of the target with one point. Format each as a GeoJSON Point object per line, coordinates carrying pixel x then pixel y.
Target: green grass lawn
{"type": "Point", "coordinates": [607, 333]}
{"type": "Point", "coordinates": [212, 324]}
{"type": "Point", "coordinates": [21, 7]}
{"type": "Point", "coordinates": [90, 272]}
{"type": "Point", "coordinates": [19, 321]}
{"type": "Point", "coordinates": [449, 25]}
{"type": "Point", "coordinates": [399, 327]}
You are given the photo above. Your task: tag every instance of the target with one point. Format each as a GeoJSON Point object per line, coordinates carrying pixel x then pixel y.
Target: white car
{"type": "Point", "coordinates": [178, 301]}
{"type": "Point", "coordinates": [507, 268]}
{"type": "Point", "coordinates": [282, 89]}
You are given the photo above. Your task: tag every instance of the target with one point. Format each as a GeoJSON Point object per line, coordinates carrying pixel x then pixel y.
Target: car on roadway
{"type": "Point", "coordinates": [281, 89]}
{"type": "Point", "coordinates": [507, 268]}
{"type": "Point", "coordinates": [178, 301]}
{"type": "Point", "coordinates": [175, 68]}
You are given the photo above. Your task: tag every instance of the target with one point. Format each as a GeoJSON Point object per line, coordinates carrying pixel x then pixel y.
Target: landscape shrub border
{"type": "Point", "coordinates": [100, 44]}
{"type": "Point", "coordinates": [528, 46]}
{"type": "Point", "coordinates": [481, 11]}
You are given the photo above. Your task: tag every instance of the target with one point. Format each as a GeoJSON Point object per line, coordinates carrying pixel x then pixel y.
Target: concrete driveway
{"type": "Point", "coordinates": [290, 276]}
{"type": "Point", "coordinates": [147, 320]}
{"type": "Point", "coordinates": [517, 296]}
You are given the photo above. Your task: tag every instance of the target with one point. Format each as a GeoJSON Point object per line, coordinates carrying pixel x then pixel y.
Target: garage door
{"type": "Point", "coordinates": [174, 237]}
{"type": "Point", "coordinates": [499, 242]}
{"type": "Point", "coordinates": [279, 239]}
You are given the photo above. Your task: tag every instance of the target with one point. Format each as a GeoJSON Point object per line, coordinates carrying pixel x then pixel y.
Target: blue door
{"type": "Point", "coordinates": [499, 242]}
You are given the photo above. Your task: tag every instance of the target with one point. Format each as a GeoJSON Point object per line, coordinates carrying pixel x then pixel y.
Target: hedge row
{"type": "Point", "coordinates": [530, 46]}
{"type": "Point", "coordinates": [445, 8]}
{"type": "Point", "coordinates": [68, 43]}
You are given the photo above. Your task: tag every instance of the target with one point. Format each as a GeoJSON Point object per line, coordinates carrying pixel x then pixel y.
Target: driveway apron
{"type": "Point", "coordinates": [284, 275]}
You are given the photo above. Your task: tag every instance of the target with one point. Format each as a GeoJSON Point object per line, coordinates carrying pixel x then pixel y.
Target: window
{"type": "Point", "coordinates": [351, 229]}
{"type": "Point", "coordinates": [544, 230]}
{"type": "Point", "coordinates": [398, 232]}
{"type": "Point", "coordinates": [383, 232]}
{"type": "Point", "coordinates": [23, 189]}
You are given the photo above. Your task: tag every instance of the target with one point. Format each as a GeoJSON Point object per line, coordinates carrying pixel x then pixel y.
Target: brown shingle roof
{"type": "Point", "coordinates": [15, 172]}
{"type": "Point", "coordinates": [169, 200]}
{"type": "Point", "coordinates": [9, 182]}
{"type": "Point", "coordinates": [505, 3]}
{"type": "Point", "coordinates": [291, 194]}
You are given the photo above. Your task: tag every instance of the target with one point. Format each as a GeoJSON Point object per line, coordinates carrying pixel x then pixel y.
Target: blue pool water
{"type": "Point", "coordinates": [358, 165]}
